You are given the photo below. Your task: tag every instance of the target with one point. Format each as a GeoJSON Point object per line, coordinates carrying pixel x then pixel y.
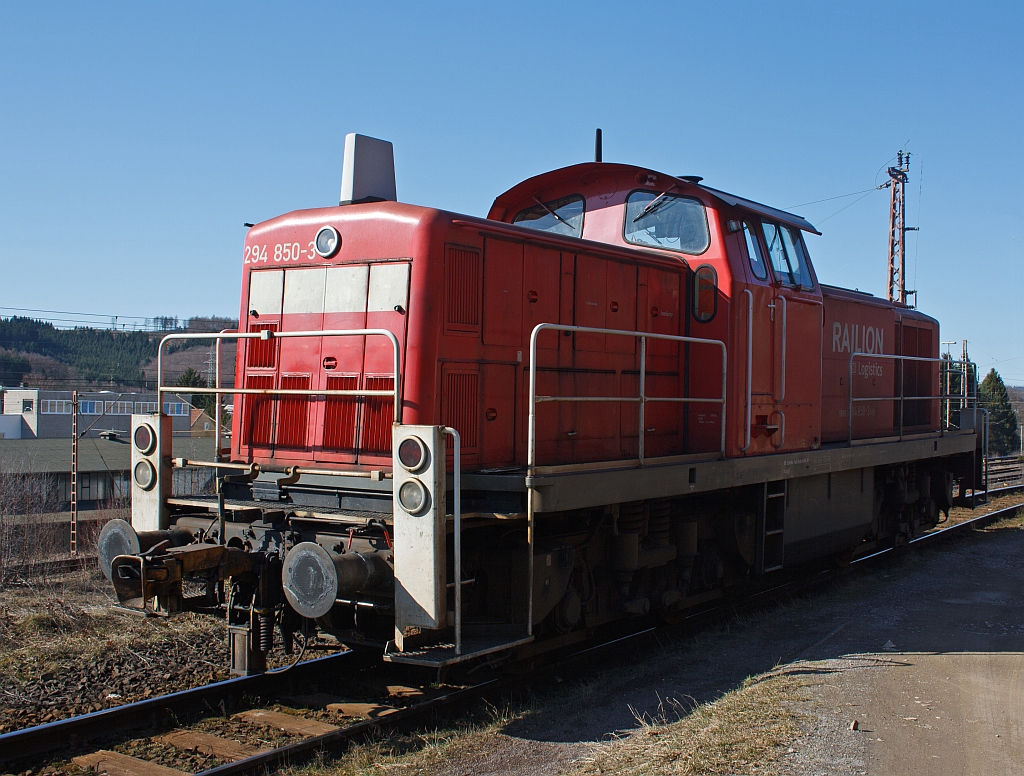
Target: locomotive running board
{"type": "Point", "coordinates": [579, 490]}
{"type": "Point", "coordinates": [440, 655]}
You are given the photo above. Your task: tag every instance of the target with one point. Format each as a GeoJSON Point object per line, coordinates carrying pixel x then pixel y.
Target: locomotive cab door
{"type": "Point", "coordinates": [759, 301]}
{"type": "Point", "coordinates": [795, 315]}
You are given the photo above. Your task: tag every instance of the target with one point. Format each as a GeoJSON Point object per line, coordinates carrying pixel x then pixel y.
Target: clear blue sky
{"type": "Point", "coordinates": [136, 138]}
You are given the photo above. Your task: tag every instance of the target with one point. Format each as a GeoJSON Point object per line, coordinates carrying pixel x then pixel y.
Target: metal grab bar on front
{"type": "Point", "coordinates": [396, 392]}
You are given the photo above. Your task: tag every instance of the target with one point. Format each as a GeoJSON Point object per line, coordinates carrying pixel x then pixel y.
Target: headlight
{"type": "Point", "coordinates": [413, 497]}
{"type": "Point", "coordinates": [327, 241]}
{"type": "Point", "coordinates": [412, 453]}
{"type": "Point", "coordinates": [144, 474]}
{"type": "Point", "coordinates": [144, 439]}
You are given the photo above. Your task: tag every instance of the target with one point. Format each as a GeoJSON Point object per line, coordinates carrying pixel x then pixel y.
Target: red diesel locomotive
{"type": "Point", "coordinates": [652, 399]}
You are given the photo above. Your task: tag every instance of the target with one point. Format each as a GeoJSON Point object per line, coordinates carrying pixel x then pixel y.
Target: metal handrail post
{"type": "Point", "coordinates": [903, 391]}
{"type": "Point", "coordinates": [782, 392]}
{"type": "Point", "coordinates": [643, 378]}
{"type": "Point", "coordinates": [849, 406]}
{"type": "Point", "coordinates": [217, 420]}
{"type": "Point", "coordinates": [531, 464]}
{"type": "Point", "coordinates": [457, 536]}
{"type": "Point", "coordinates": [750, 365]}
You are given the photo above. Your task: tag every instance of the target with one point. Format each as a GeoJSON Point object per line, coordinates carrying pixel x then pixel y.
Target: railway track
{"type": "Point", "coordinates": [308, 734]}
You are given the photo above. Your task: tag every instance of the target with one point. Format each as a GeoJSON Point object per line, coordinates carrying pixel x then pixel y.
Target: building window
{"type": "Point", "coordinates": [119, 407]}
{"type": "Point", "coordinates": [143, 407]}
{"type": "Point", "coordinates": [175, 408]}
{"type": "Point", "coordinates": [26, 405]}
{"type": "Point", "coordinates": [54, 407]}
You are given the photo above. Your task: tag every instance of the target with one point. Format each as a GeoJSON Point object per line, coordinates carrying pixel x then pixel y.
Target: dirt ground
{"type": "Point", "coordinates": [923, 652]}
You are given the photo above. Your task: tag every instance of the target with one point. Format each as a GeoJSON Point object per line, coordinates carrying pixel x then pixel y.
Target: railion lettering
{"type": "Point", "coordinates": [856, 338]}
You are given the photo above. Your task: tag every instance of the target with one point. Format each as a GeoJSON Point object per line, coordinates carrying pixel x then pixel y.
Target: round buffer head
{"type": "Point", "coordinates": [117, 538]}
{"type": "Point", "coordinates": [310, 579]}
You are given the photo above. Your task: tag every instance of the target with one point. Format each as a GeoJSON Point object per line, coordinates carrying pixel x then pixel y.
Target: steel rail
{"type": "Point", "coordinates": [44, 738]}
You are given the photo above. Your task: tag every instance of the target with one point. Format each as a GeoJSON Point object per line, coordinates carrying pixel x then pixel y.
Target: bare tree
{"type": "Point", "coordinates": [26, 536]}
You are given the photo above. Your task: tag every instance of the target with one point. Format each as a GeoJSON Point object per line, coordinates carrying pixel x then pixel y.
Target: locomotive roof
{"type": "Point", "coordinates": [592, 172]}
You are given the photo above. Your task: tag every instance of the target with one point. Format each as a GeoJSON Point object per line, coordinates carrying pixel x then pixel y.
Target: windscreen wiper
{"type": "Point", "coordinates": [654, 203]}
{"type": "Point", "coordinates": [552, 212]}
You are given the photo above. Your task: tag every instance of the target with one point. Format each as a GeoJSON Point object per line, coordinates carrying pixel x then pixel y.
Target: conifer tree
{"type": "Point", "coordinates": [1002, 420]}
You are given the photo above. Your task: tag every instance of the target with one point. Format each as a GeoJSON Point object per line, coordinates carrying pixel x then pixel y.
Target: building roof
{"type": "Point", "coordinates": [51, 456]}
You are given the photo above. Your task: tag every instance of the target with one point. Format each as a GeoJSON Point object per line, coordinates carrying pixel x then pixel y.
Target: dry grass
{"type": "Point", "coordinates": [46, 625]}
{"type": "Point", "coordinates": [743, 732]}
{"type": "Point", "coordinates": [424, 752]}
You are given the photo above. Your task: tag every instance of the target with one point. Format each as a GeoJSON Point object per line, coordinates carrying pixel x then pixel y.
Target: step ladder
{"type": "Point", "coordinates": [771, 524]}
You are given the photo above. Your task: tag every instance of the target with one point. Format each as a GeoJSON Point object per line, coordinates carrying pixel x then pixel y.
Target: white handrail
{"type": "Point", "coordinates": [750, 367]}
{"type": "Point", "coordinates": [642, 399]}
{"type": "Point", "coordinates": [457, 535]}
{"type": "Point", "coordinates": [267, 334]}
{"type": "Point", "coordinates": [902, 398]}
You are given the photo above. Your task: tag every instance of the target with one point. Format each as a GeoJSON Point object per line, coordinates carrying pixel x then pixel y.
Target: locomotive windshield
{"type": "Point", "coordinates": [561, 216]}
{"type": "Point", "coordinates": [787, 256]}
{"type": "Point", "coordinates": [666, 221]}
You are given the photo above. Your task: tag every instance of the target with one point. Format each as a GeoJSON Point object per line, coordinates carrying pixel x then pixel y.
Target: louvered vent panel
{"type": "Point", "coordinates": [259, 412]}
{"type": "Point", "coordinates": [378, 414]}
{"type": "Point", "coordinates": [461, 408]}
{"type": "Point", "coordinates": [340, 414]}
{"type": "Point", "coordinates": [462, 288]}
{"type": "Point", "coordinates": [262, 354]}
{"type": "Point", "coordinates": [293, 413]}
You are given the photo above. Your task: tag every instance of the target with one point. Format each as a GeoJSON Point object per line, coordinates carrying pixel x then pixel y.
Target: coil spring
{"type": "Point", "coordinates": [266, 626]}
{"type": "Point", "coordinates": [659, 521]}
{"type": "Point", "coordinates": [633, 518]}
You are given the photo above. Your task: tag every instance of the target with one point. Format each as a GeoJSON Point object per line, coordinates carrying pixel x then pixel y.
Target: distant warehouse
{"type": "Point", "coordinates": [35, 442]}
{"type": "Point", "coordinates": [47, 414]}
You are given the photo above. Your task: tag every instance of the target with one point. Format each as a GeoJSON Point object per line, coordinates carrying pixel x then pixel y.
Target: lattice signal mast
{"type": "Point", "coordinates": [898, 229]}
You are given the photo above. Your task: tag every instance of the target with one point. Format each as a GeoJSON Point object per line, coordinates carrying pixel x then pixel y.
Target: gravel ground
{"type": "Point", "coordinates": [64, 651]}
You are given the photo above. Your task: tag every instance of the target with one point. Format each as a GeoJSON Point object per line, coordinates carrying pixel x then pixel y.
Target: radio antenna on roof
{"type": "Point", "coordinates": [597, 147]}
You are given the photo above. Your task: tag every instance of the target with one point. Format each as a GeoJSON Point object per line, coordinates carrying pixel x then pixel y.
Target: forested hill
{"type": "Point", "coordinates": [98, 355]}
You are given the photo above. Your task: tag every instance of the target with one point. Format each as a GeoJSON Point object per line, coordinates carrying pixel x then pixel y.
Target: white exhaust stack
{"type": "Point", "coordinates": [368, 174]}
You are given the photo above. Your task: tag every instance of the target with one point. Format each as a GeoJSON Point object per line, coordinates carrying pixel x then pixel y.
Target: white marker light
{"type": "Point", "coordinates": [327, 241]}
{"type": "Point", "coordinates": [413, 497]}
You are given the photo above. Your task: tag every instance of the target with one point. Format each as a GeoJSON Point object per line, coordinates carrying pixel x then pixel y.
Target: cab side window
{"type": "Point", "coordinates": [785, 251]}
{"type": "Point", "coordinates": [754, 251]}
